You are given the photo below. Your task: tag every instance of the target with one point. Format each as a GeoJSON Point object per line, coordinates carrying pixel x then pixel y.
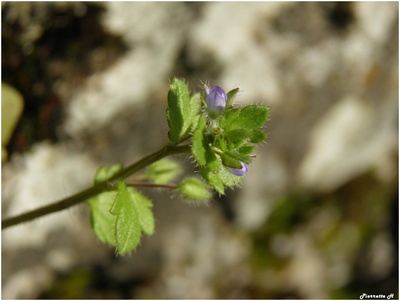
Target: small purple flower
{"type": "Point", "coordinates": [239, 172]}
{"type": "Point", "coordinates": [216, 99]}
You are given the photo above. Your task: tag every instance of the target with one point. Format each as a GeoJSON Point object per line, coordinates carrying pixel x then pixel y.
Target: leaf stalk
{"type": "Point", "coordinates": [82, 196]}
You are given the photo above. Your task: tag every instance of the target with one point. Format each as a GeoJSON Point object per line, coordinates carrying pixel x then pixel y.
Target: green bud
{"type": "Point", "coordinates": [163, 171]}
{"type": "Point", "coordinates": [194, 189]}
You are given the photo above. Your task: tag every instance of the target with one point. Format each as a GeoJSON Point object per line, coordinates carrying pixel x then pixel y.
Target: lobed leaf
{"type": "Point", "coordinates": [101, 220]}
{"type": "Point", "coordinates": [228, 179]}
{"type": "Point", "coordinates": [229, 118]}
{"type": "Point", "coordinates": [143, 206]}
{"type": "Point", "coordinates": [250, 117]}
{"type": "Point", "coordinates": [127, 227]}
{"type": "Point", "coordinates": [236, 137]}
{"type": "Point", "coordinates": [213, 179]}
{"type": "Point", "coordinates": [218, 176]}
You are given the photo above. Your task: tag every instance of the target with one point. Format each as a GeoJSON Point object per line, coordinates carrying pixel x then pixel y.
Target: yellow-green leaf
{"type": "Point", "coordinates": [12, 104]}
{"type": "Point", "coordinates": [127, 227]}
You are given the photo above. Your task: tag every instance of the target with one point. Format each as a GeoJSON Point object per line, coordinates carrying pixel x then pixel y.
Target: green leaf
{"type": "Point", "coordinates": [246, 149]}
{"type": "Point", "coordinates": [230, 161]}
{"type": "Point", "coordinates": [163, 171]}
{"type": "Point", "coordinates": [201, 150]}
{"type": "Point", "coordinates": [222, 144]}
{"type": "Point", "coordinates": [213, 179]}
{"type": "Point", "coordinates": [132, 213]}
{"type": "Point", "coordinates": [236, 138]}
{"type": "Point", "coordinates": [238, 156]}
{"type": "Point", "coordinates": [218, 176]}
{"type": "Point", "coordinates": [257, 136]}
{"type": "Point", "coordinates": [101, 220]}
{"type": "Point", "coordinates": [194, 189]}
{"type": "Point", "coordinates": [195, 104]}
{"type": "Point", "coordinates": [182, 110]}
{"type": "Point", "coordinates": [198, 149]}
{"type": "Point", "coordinates": [228, 179]}
{"type": "Point", "coordinates": [103, 173]}
{"type": "Point", "coordinates": [229, 118]}
{"type": "Point", "coordinates": [250, 117]}
{"type": "Point", "coordinates": [127, 227]}
{"type": "Point", "coordinates": [143, 205]}
{"type": "Point", "coordinates": [231, 96]}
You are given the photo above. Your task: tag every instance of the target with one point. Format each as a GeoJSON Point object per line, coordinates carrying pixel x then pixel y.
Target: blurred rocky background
{"type": "Point", "coordinates": [316, 216]}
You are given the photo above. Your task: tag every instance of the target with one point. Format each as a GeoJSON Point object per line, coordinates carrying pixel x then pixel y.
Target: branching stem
{"type": "Point", "coordinates": [82, 196]}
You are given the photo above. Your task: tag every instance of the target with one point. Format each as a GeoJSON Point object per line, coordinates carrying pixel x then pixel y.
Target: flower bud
{"type": "Point", "coordinates": [239, 172]}
{"type": "Point", "coordinates": [216, 99]}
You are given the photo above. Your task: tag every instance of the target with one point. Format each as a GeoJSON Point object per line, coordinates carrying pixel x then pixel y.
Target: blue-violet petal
{"type": "Point", "coordinates": [216, 99]}
{"type": "Point", "coordinates": [239, 172]}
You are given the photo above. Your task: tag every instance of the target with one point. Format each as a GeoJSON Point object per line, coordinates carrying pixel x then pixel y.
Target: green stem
{"type": "Point", "coordinates": [92, 191]}
{"type": "Point", "coordinates": [151, 185]}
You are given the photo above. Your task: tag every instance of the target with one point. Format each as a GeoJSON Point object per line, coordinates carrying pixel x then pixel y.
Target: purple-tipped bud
{"type": "Point", "coordinates": [216, 99]}
{"type": "Point", "coordinates": [239, 172]}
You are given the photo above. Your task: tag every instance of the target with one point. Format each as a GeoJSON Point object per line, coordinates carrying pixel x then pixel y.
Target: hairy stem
{"type": "Point", "coordinates": [92, 191]}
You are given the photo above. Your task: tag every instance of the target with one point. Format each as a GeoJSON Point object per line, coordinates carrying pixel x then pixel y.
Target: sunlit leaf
{"type": "Point", "coordinates": [250, 117]}
{"type": "Point", "coordinates": [198, 143]}
{"type": "Point", "coordinates": [231, 96]}
{"type": "Point", "coordinates": [101, 220]}
{"type": "Point", "coordinates": [145, 214]}
{"type": "Point", "coordinates": [213, 179]}
{"type": "Point", "coordinates": [127, 227]}
{"type": "Point", "coordinates": [182, 110]}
